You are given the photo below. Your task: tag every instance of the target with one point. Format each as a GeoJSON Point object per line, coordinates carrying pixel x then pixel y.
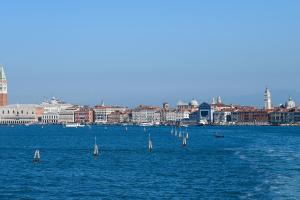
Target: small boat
{"type": "Point", "coordinates": [74, 125]}
{"type": "Point", "coordinates": [150, 147]}
{"type": "Point", "coordinates": [96, 149]}
{"type": "Point", "coordinates": [217, 135]}
{"type": "Point", "coordinates": [37, 156]}
{"type": "Point", "coordinates": [184, 142]}
{"type": "Point", "coordinates": [146, 124]}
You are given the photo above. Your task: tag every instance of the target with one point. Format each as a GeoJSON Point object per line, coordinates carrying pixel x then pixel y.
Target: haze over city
{"type": "Point", "coordinates": [134, 52]}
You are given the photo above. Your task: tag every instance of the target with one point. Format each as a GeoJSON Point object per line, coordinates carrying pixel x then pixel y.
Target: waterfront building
{"type": "Point", "coordinates": [21, 114]}
{"type": "Point", "coordinates": [281, 116]}
{"type": "Point", "coordinates": [3, 88]}
{"type": "Point", "coordinates": [206, 112]}
{"type": "Point", "coordinates": [177, 115]}
{"type": "Point", "coordinates": [267, 99]}
{"type": "Point", "coordinates": [102, 111]}
{"type": "Point", "coordinates": [222, 116]}
{"type": "Point", "coordinates": [146, 114]}
{"type": "Point", "coordinates": [290, 104]}
{"type": "Point", "coordinates": [118, 117]}
{"type": "Point", "coordinates": [52, 109]}
{"type": "Point", "coordinates": [250, 116]}
{"type": "Point", "coordinates": [67, 115]}
{"type": "Point", "coordinates": [84, 115]}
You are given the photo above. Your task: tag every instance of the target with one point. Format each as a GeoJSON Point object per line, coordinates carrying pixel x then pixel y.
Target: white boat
{"type": "Point", "coordinates": [96, 149]}
{"type": "Point", "coordinates": [146, 124]}
{"type": "Point", "coordinates": [37, 156]}
{"type": "Point", "coordinates": [75, 125]}
{"type": "Point", "coordinates": [150, 147]}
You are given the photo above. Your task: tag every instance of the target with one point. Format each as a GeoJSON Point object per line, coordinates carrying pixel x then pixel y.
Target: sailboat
{"type": "Point", "coordinates": [96, 149]}
{"type": "Point", "coordinates": [150, 147]}
{"type": "Point", "coordinates": [37, 156]}
{"type": "Point", "coordinates": [184, 142]}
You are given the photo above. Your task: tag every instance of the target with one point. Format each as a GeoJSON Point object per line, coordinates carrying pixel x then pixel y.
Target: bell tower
{"type": "Point", "coordinates": [3, 87]}
{"type": "Point", "coordinates": [267, 99]}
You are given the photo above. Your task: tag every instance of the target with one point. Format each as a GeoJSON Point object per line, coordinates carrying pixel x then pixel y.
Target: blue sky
{"type": "Point", "coordinates": [131, 52]}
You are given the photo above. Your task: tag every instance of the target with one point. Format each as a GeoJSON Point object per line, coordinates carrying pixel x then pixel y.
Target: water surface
{"type": "Point", "coordinates": [249, 163]}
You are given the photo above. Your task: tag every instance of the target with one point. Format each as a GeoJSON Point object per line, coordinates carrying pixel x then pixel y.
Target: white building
{"type": "Point", "coordinates": [174, 116]}
{"type": "Point", "coordinates": [146, 114]}
{"type": "Point", "coordinates": [21, 114]}
{"type": "Point", "coordinates": [267, 99]}
{"type": "Point", "coordinates": [52, 109]}
{"type": "Point", "coordinates": [221, 117]}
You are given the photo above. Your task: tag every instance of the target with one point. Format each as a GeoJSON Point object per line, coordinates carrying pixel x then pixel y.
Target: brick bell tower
{"type": "Point", "coordinates": [3, 87]}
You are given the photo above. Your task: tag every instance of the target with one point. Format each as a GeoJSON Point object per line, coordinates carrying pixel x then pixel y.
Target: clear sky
{"type": "Point", "coordinates": [132, 52]}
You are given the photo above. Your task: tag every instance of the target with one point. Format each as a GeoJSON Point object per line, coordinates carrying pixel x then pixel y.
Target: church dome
{"type": "Point", "coordinates": [194, 103]}
{"type": "Point", "coordinates": [290, 103]}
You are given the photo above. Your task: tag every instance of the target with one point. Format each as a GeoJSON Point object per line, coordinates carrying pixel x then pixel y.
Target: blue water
{"type": "Point", "coordinates": [249, 163]}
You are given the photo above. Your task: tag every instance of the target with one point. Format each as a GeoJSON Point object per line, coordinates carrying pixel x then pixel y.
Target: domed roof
{"type": "Point", "coordinates": [180, 103]}
{"type": "Point", "coordinates": [194, 102]}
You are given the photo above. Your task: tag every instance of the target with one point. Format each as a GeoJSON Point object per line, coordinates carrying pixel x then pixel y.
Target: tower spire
{"type": "Point", "coordinates": [3, 87]}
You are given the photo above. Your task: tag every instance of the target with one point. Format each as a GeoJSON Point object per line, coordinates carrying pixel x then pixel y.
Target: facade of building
{"type": "Point", "coordinates": [222, 117]}
{"type": "Point", "coordinates": [52, 110]}
{"type": "Point", "coordinates": [101, 112]}
{"type": "Point", "coordinates": [3, 88]}
{"type": "Point", "coordinates": [118, 117]}
{"type": "Point", "coordinates": [146, 114]}
{"type": "Point", "coordinates": [281, 116]}
{"type": "Point", "coordinates": [251, 116]}
{"type": "Point", "coordinates": [84, 115]}
{"type": "Point", "coordinates": [206, 112]}
{"type": "Point", "coordinates": [21, 114]}
{"type": "Point", "coordinates": [177, 115]}
{"type": "Point", "coordinates": [67, 115]}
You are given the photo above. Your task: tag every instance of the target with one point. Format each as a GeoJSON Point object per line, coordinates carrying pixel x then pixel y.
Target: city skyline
{"type": "Point", "coordinates": [150, 52]}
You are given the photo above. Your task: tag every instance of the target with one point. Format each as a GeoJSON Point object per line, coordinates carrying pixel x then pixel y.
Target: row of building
{"type": "Point", "coordinates": [56, 111]}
